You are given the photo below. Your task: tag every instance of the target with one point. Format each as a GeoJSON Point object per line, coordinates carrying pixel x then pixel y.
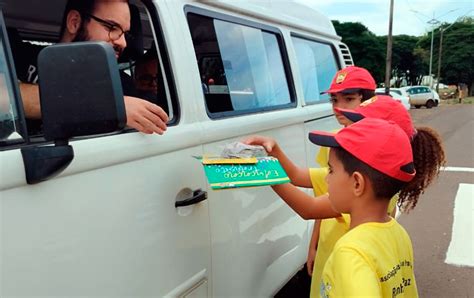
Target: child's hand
{"type": "Point", "coordinates": [268, 143]}
{"type": "Point", "coordinates": [310, 261]}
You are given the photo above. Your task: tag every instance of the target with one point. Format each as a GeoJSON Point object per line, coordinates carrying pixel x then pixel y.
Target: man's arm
{"type": "Point", "coordinates": [31, 100]}
{"type": "Point", "coordinates": [142, 115]}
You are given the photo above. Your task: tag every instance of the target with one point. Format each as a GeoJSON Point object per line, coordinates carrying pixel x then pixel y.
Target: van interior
{"type": "Point", "coordinates": [40, 25]}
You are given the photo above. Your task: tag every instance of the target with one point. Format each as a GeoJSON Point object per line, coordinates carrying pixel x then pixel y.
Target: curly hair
{"type": "Point", "coordinates": [428, 157]}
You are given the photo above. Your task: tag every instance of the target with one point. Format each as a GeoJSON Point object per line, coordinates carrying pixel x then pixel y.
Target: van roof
{"type": "Point", "coordinates": [300, 15]}
{"type": "Point", "coordinates": [36, 18]}
{"type": "Point", "coordinates": [47, 23]}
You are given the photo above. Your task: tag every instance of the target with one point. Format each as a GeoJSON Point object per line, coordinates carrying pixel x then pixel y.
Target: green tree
{"type": "Point", "coordinates": [367, 50]}
{"type": "Point", "coordinates": [407, 64]}
{"type": "Point", "coordinates": [457, 62]}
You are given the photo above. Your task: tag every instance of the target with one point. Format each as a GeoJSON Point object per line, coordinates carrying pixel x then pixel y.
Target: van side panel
{"type": "Point", "coordinates": [110, 230]}
{"type": "Point", "coordinates": [258, 242]}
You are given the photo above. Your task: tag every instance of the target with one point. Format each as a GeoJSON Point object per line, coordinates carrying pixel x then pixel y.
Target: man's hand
{"type": "Point", "coordinates": [268, 143]}
{"type": "Point", "coordinates": [145, 116]}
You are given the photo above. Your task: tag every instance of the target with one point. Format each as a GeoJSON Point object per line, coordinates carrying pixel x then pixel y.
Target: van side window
{"type": "Point", "coordinates": [10, 131]}
{"type": "Point", "coordinates": [317, 66]}
{"type": "Point", "coordinates": [241, 67]}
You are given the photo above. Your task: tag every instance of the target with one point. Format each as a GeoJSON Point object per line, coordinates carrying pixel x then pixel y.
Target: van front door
{"type": "Point", "coordinates": [108, 225]}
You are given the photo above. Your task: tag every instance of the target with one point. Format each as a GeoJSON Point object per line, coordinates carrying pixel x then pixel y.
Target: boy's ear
{"type": "Point", "coordinates": [359, 184]}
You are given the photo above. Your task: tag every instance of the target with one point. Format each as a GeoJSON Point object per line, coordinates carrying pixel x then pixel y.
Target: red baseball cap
{"type": "Point", "coordinates": [382, 107]}
{"type": "Point", "coordinates": [381, 144]}
{"type": "Point", "coordinates": [350, 79]}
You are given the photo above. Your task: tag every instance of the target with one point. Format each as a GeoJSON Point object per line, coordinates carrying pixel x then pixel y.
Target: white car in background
{"type": "Point", "coordinates": [435, 97]}
{"type": "Point", "coordinates": [422, 96]}
{"type": "Point", "coordinates": [396, 94]}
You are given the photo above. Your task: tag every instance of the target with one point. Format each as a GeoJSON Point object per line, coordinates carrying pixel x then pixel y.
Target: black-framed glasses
{"type": "Point", "coordinates": [115, 31]}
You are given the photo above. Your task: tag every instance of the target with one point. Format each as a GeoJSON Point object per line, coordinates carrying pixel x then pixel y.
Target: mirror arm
{"type": "Point", "coordinates": [45, 162]}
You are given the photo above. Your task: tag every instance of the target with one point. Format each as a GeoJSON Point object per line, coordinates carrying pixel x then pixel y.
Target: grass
{"type": "Point", "coordinates": [454, 101]}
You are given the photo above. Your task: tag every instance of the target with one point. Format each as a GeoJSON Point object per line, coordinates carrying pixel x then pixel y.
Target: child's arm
{"type": "Point", "coordinates": [308, 207]}
{"type": "Point", "coordinates": [313, 245]}
{"type": "Point", "coordinates": [298, 176]}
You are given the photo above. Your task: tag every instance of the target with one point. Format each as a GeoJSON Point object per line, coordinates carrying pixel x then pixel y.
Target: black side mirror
{"type": "Point", "coordinates": [81, 94]}
{"type": "Point", "coordinates": [80, 90]}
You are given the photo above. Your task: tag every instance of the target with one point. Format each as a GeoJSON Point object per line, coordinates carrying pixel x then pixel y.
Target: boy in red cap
{"type": "Point", "coordinates": [369, 162]}
{"type": "Point", "coordinates": [381, 107]}
{"type": "Point", "coordinates": [349, 88]}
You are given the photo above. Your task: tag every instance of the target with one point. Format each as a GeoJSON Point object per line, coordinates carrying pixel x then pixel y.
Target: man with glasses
{"type": "Point", "coordinates": [92, 20]}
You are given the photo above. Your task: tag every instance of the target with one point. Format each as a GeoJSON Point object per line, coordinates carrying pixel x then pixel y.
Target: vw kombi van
{"type": "Point", "coordinates": [107, 218]}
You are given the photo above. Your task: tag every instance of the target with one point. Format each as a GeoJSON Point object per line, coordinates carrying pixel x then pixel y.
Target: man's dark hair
{"type": "Point", "coordinates": [383, 185]}
{"type": "Point", "coordinates": [82, 6]}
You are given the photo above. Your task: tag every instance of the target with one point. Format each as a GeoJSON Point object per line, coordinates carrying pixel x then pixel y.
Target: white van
{"type": "Point", "coordinates": [107, 223]}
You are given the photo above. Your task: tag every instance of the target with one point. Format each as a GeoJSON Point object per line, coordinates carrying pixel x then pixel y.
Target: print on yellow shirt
{"type": "Point", "coordinates": [373, 259]}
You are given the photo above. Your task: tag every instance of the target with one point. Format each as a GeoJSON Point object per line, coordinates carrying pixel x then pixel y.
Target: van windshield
{"type": "Point", "coordinates": [9, 130]}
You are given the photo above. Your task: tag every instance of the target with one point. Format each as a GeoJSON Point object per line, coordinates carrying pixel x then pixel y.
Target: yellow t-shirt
{"type": "Point", "coordinates": [331, 229]}
{"type": "Point", "coordinates": [372, 260]}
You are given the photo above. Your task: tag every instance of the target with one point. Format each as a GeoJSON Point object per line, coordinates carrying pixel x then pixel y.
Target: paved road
{"type": "Point", "coordinates": [430, 225]}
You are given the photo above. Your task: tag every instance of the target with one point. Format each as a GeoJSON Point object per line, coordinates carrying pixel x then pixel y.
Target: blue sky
{"type": "Point", "coordinates": [374, 14]}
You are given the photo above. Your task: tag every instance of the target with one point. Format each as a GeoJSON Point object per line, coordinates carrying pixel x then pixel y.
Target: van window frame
{"type": "Point", "coordinates": [14, 88]}
{"type": "Point", "coordinates": [283, 52]}
{"type": "Point", "coordinates": [321, 41]}
{"type": "Point", "coordinates": [160, 42]}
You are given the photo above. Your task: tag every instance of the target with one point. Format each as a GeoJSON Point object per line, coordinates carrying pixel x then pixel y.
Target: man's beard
{"type": "Point", "coordinates": [83, 35]}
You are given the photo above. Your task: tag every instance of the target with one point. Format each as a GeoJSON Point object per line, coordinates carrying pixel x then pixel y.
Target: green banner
{"type": "Point", "coordinates": [267, 171]}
